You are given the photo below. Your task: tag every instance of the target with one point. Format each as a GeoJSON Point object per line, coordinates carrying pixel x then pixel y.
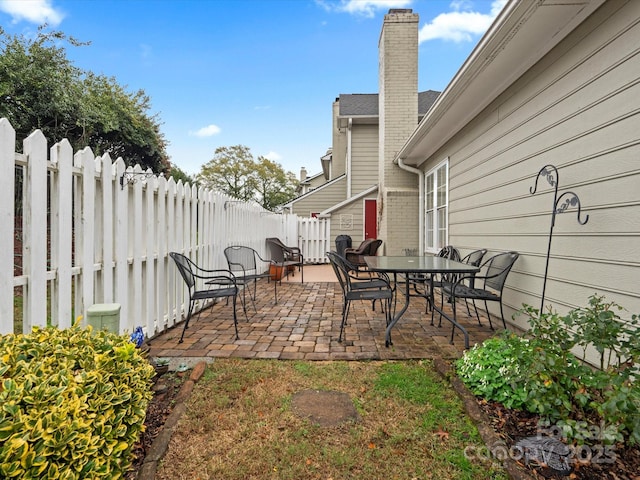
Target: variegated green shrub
{"type": "Point", "coordinates": [72, 403]}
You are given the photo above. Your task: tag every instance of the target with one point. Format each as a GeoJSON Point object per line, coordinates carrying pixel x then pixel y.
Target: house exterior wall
{"type": "Point", "coordinates": [320, 199]}
{"type": "Point", "coordinates": [364, 157]}
{"type": "Point", "coordinates": [349, 220]}
{"type": "Point", "coordinates": [576, 109]}
{"type": "Point", "coordinates": [316, 182]}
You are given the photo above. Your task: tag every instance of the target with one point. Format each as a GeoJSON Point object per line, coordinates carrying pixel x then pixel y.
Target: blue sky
{"type": "Point", "coordinates": [260, 73]}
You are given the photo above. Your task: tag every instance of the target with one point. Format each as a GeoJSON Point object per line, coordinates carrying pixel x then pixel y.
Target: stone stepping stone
{"type": "Point", "coordinates": [325, 408]}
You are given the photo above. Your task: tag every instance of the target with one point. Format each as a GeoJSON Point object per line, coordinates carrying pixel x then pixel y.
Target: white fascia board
{"type": "Point", "coordinates": [520, 36]}
{"type": "Point", "coordinates": [337, 206]}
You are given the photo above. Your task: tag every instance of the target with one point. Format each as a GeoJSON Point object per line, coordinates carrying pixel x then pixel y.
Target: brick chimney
{"type": "Point", "coordinates": [303, 174]}
{"type": "Point", "coordinates": [398, 109]}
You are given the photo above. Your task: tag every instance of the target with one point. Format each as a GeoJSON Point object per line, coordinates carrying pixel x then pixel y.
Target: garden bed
{"type": "Point", "coordinates": [512, 425]}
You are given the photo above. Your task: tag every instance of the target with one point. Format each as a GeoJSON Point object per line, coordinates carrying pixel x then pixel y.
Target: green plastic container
{"type": "Point", "coordinates": [104, 316]}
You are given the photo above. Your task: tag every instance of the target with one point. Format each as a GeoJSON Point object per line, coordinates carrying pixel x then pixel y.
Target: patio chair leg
{"type": "Point", "coordinates": [455, 319]}
{"type": "Point", "coordinates": [475, 307]}
{"type": "Point", "coordinates": [275, 291]}
{"type": "Point", "coordinates": [345, 313]}
{"type": "Point", "coordinates": [235, 318]}
{"type": "Point", "coordinates": [504, 324]}
{"type": "Point", "coordinates": [488, 315]}
{"type": "Point", "coordinates": [442, 306]}
{"type": "Point", "coordinates": [186, 321]}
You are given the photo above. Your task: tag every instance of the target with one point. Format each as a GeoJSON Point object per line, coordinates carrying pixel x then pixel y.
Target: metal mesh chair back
{"type": "Point", "coordinates": [184, 267]}
{"type": "Point", "coordinates": [475, 257]}
{"type": "Point", "coordinates": [450, 252]}
{"type": "Point", "coordinates": [339, 269]}
{"type": "Point", "coordinates": [241, 259]}
{"type": "Point", "coordinates": [497, 268]}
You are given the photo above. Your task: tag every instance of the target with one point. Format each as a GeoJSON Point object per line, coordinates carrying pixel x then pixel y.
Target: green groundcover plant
{"type": "Point", "coordinates": [537, 372]}
{"type": "Point", "coordinates": [72, 403]}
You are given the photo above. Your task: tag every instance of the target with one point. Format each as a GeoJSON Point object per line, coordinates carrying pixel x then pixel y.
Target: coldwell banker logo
{"type": "Point", "coordinates": [547, 449]}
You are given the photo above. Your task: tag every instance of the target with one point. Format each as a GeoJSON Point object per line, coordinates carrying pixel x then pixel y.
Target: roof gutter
{"type": "Point", "coordinates": [420, 175]}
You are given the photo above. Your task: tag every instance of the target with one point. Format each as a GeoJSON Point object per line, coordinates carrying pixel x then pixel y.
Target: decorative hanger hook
{"type": "Point", "coordinates": [549, 175]}
{"type": "Point", "coordinates": [571, 200]}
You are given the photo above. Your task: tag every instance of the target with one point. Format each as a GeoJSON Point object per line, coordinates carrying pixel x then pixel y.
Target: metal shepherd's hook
{"type": "Point", "coordinates": [550, 172]}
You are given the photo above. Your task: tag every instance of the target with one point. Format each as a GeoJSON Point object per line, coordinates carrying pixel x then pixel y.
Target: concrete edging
{"type": "Point", "coordinates": [489, 436]}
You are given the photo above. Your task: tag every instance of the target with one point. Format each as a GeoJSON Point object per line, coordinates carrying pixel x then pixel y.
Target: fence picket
{"type": "Point", "coordinates": [35, 229]}
{"type": "Point", "coordinates": [121, 247]}
{"type": "Point", "coordinates": [150, 254]}
{"type": "Point", "coordinates": [62, 234]}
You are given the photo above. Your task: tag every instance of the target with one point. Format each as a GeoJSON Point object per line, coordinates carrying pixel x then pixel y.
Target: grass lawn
{"type": "Point", "coordinates": [240, 424]}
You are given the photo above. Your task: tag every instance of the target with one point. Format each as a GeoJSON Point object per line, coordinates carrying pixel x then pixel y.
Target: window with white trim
{"type": "Point", "coordinates": [436, 207]}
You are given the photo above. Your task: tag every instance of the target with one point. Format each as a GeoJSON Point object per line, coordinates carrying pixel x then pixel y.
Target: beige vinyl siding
{"type": "Point", "coordinates": [578, 110]}
{"type": "Point", "coordinates": [354, 212]}
{"type": "Point", "coordinates": [317, 182]}
{"type": "Point", "coordinates": [364, 157]}
{"type": "Point", "coordinates": [320, 199]}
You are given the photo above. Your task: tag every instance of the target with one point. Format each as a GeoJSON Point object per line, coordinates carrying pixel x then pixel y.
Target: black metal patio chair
{"type": "Point", "coordinates": [473, 258]}
{"type": "Point", "coordinates": [358, 288]}
{"type": "Point", "coordinates": [496, 270]}
{"type": "Point", "coordinates": [285, 257]}
{"type": "Point", "coordinates": [219, 283]}
{"type": "Point", "coordinates": [243, 262]}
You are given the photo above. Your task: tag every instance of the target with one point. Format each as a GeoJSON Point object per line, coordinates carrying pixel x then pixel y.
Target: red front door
{"type": "Point", "coordinates": [370, 219]}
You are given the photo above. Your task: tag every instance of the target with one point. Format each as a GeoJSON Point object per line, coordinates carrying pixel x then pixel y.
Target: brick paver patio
{"type": "Point", "coordinates": [305, 324]}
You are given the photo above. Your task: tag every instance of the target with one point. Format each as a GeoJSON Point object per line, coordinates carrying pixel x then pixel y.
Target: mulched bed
{"type": "Point", "coordinates": [623, 462]}
{"type": "Point", "coordinates": [166, 388]}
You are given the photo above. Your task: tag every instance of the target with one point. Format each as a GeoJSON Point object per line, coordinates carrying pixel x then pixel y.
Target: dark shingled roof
{"type": "Point", "coordinates": [366, 104]}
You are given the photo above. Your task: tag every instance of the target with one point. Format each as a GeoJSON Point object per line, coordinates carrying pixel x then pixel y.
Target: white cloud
{"type": "Point", "coordinates": [461, 24]}
{"type": "Point", "coordinates": [34, 11]}
{"type": "Point", "coordinates": [273, 156]}
{"type": "Point", "coordinates": [208, 131]}
{"type": "Point", "coordinates": [366, 8]}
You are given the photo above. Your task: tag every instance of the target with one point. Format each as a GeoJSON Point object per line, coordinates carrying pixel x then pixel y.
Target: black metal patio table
{"type": "Point", "coordinates": [425, 265]}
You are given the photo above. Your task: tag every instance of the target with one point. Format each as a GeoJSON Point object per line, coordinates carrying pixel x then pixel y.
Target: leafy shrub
{"type": "Point", "coordinates": [73, 403]}
{"type": "Point", "coordinates": [485, 372]}
{"type": "Point", "coordinates": [540, 374]}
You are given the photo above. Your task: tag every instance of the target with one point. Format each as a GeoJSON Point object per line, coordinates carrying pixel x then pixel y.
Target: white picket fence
{"type": "Point", "coordinates": [314, 239]}
{"type": "Point", "coordinates": [89, 235]}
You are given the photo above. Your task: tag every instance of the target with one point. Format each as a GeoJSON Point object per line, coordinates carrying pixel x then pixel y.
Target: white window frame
{"type": "Point", "coordinates": [432, 225]}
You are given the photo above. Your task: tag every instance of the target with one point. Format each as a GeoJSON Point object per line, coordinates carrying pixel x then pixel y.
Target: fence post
{"type": "Point", "coordinates": [108, 186]}
{"type": "Point", "coordinates": [7, 218]}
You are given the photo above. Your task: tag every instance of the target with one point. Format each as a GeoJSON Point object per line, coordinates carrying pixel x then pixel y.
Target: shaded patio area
{"type": "Point", "coordinates": [305, 326]}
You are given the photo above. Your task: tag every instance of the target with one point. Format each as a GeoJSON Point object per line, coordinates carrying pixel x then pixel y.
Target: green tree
{"type": "Point", "coordinates": [230, 171]}
{"type": "Point", "coordinates": [41, 89]}
{"type": "Point", "coordinates": [178, 174]}
{"type": "Point", "coordinates": [233, 171]}
{"type": "Point", "coordinates": [115, 121]}
{"type": "Point", "coordinates": [274, 185]}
